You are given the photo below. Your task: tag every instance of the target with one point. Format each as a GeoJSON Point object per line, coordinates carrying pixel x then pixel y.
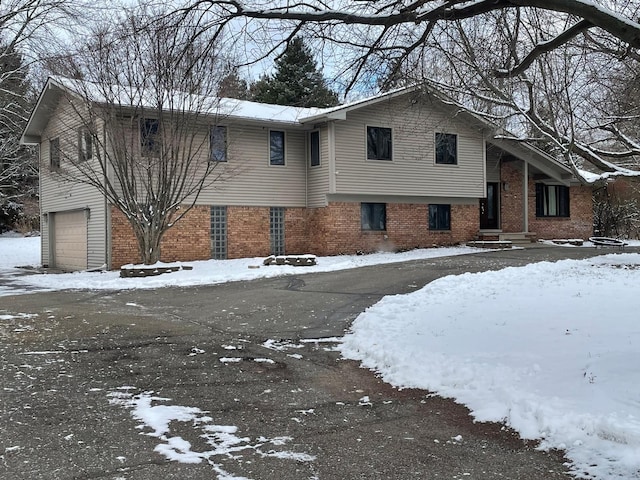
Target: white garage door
{"type": "Point", "coordinates": [70, 240]}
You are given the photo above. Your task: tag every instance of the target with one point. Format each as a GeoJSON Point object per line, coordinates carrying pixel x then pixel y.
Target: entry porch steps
{"type": "Point", "coordinates": [516, 238]}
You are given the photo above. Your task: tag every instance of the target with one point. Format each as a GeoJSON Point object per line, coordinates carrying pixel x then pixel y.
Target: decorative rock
{"type": "Point", "coordinates": [294, 260]}
{"type": "Point", "coordinates": [131, 271]}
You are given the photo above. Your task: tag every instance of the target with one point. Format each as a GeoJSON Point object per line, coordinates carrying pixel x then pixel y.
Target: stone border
{"type": "Point", "coordinates": [138, 271]}
{"type": "Point", "coordinates": [294, 260]}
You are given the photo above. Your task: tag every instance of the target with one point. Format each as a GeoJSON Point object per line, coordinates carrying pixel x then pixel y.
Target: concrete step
{"type": "Point", "coordinates": [518, 238]}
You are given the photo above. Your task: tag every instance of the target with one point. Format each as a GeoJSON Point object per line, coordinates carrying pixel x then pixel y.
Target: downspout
{"type": "Point", "coordinates": [331, 131]}
{"type": "Point", "coordinates": [525, 197]}
{"type": "Point", "coordinates": [107, 212]}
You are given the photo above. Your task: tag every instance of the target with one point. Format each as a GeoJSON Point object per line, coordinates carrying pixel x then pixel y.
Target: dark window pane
{"type": "Point", "coordinates": [149, 142]}
{"type": "Point", "coordinates": [373, 216]}
{"type": "Point", "coordinates": [218, 144]}
{"type": "Point", "coordinates": [446, 148]}
{"type": "Point", "coordinates": [439, 217]}
{"type": "Point", "coordinates": [378, 143]}
{"type": "Point", "coordinates": [314, 141]}
{"type": "Point", "coordinates": [552, 200]}
{"type": "Point", "coordinates": [54, 153]}
{"type": "Point", "coordinates": [85, 145]}
{"type": "Point", "coordinates": [276, 147]}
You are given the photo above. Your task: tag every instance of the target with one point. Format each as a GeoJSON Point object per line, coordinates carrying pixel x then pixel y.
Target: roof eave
{"type": "Point", "coordinates": [31, 135]}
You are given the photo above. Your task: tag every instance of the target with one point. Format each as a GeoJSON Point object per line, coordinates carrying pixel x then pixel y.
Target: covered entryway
{"type": "Point", "coordinates": [70, 240]}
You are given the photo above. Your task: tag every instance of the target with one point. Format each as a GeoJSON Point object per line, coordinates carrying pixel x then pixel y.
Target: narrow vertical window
{"type": "Point", "coordinates": [446, 148]}
{"type": "Point", "coordinates": [218, 144]}
{"type": "Point", "coordinates": [54, 153]}
{"type": "Point", "coordinates": [276, 230]}
{"type": "Point", "coordinates": [219, 232]}
{"type": "Point", "coordinates": [276, 147]}
{"type": "Point", "coordinates": [85, 145]}
{"type": "Point", "coordinates": [149, 137]}
{"type": "Point", "coordinates": [314, 146]}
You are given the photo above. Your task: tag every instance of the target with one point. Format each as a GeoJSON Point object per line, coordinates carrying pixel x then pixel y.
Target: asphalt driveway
{"type": "Point", "coordinates": [233, 381]}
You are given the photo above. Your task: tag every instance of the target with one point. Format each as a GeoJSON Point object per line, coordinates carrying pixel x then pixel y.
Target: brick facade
{"type": "Point", "coordinates": [336, 229]}
{"type": "Point", "coordinates": [330, 230]}
{"type": "Point", "coordinates": [248, 232]}
{"type": "Point", "coordinates": [578, 225]}
{"type": "Point", "coordinates": [189, 239]}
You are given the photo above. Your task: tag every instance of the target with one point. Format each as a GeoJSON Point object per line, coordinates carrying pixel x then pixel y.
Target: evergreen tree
{"type": "Point", "coordinates": [296, 81]}
{"type": "Point", "coordinates": [232, 85]}
{"type": "Point", "coordinates": [18, 167]}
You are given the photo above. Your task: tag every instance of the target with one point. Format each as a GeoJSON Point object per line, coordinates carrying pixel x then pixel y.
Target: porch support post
{"type": "Point", "coordinates": [525, 197]}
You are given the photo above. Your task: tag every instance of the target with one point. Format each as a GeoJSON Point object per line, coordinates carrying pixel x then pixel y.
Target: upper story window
{"type": "Point", "coordinates": [276, 147]}
{"type": "Point", "coordinates": [149, 137]}
{"type": "Point", "coordinates": [54, 153]}
{"type": "Point", "coordinates": [314, 148]}
{"type": "Point", "coordinates": [218, 144]}
{"type": "Point", "coordinates": [552, 200]}
{"type": "Point", "coordinates": [439, 217]}
{"type": "Point", "coordinates": [446, 148]}
{"type": "Point", "coordinates": [373, 216]}
{"type": "Point", "coordinates": [378, 143]}
{"type": "Point", "coordinates": [85, 145]}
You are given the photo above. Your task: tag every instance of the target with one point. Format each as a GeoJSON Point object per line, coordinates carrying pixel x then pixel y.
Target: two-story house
{"type": "Point", "coordinates": [400, 170]}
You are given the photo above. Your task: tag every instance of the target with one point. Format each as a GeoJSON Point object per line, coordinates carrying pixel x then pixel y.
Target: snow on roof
{"type": "Point", "coordinates": [229, 107]}
{"type": "Point", "coordinates": [264, 111]}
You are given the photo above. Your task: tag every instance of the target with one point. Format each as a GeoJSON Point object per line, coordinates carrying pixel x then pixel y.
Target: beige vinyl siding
{"type": "Point", "coordinates": [62, 195]}
{"type": "Point", "coordinates": [318, 177]}
{"type": "Point", "coordinates": [247, 178]}
{"type": "Point", "coordinates": [412, 170]}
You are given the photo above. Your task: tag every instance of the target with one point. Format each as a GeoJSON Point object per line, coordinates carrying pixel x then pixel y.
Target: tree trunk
{"type": "Point", "coordinates": [148, 238]}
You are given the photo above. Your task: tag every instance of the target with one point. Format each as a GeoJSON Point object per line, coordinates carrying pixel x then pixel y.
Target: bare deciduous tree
{"type": "Point", "coordinates": [528, 64]}
{"type": "Point", "coordinates": [23, 24]}
{"type": "Point", "coordinates": [144, 103]}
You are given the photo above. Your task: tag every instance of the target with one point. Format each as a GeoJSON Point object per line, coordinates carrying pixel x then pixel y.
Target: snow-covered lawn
{"type": "Point", "coordinates": [551, 349]}
{"type": "Point", "coordinates": [26, 251]}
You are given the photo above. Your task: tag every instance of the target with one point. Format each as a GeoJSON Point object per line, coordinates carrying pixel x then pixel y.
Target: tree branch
{"type": "Point", "coordinates": [544, 47]}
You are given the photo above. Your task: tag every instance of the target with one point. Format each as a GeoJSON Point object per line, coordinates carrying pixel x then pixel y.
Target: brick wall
{"type": "Point", "coordinates": [296, 231]}
{"type": "Point", "coordinates": [336, 229]}
{"type": "Point", "coordinates": [578, 225]}
{"type": "Point", "coordinates": [248, 232]}
{"type": "Point", "coordinates": [511, 204]}
{"type": "Point", "coordinates": [188, 239]}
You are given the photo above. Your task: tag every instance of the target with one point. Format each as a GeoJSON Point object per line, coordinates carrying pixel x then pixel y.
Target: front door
{"type": "Point", "coordinates": [489, 218]}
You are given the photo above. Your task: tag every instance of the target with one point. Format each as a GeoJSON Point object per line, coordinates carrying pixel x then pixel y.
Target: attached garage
{"type": "Point", "coordinates": [70, 240]}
